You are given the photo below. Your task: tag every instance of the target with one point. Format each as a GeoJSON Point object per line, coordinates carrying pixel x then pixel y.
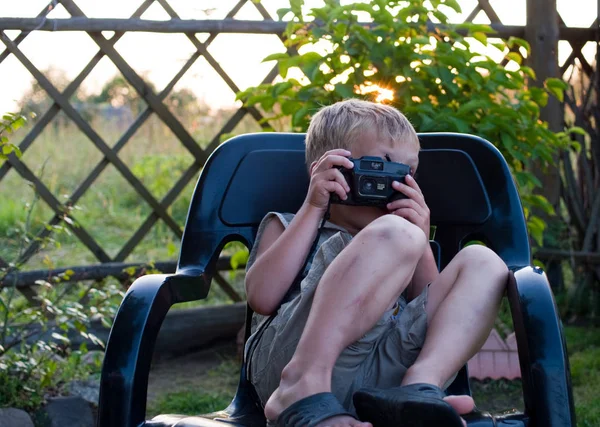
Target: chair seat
{"type": "Point", "coordinates": [214, 419]}
{"type": "Point", "coordinates": [475, 419]}
{"type": "Point", "coordinates": [172, 420]}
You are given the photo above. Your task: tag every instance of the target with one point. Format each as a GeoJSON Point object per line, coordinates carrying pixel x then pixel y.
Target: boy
{"type": "Point", "coordinates": [375, 330]}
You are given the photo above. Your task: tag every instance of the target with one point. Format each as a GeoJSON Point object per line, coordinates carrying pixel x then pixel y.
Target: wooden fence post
{"type": "Point", "coordinates": [542, 33]}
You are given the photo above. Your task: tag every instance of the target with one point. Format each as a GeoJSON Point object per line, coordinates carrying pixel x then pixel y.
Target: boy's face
{"type": "Point", "coordinates": [355, 218]}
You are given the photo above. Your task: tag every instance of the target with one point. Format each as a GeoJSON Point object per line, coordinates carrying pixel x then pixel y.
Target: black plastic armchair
{"type": "Point", "coordinates": [471, 195]}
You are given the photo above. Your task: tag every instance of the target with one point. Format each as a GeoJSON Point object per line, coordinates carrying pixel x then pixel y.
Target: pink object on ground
{"type": "Point", "coordinates": [496, 359]}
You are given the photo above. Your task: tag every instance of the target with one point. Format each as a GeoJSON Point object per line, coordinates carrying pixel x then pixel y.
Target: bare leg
{"type": "Point", "coordinates": [349, 311]}
{"type": "Point", "coordinates": [462, 306]}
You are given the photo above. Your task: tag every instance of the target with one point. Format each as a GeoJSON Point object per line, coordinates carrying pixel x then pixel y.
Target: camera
{"type": "Point", "coordinates": [370, 182]}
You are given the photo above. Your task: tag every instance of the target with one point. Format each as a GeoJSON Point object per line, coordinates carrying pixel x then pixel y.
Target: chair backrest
{"type": "Point", "coordinates": [465, 180]}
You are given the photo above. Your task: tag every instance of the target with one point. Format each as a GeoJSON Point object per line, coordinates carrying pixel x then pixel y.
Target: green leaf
{"type": "Point", "coordinates": [556, 83]}
{"type": "Point", "coordinates": [289, 107]}
{"type": "Point", "coordinates": [536, 228]}
{"type": "Point", "coordinates": [528, 71]}
{"type": "Point", "coordinates": [282, 12]}
{"type": "Point", "coordinates": [452, 4]}
{"type": "Point", "coordinates": [276, 57]}
{"type": "Point", "coordinates": [473, 28]}
{"type": "Point", "coordinates": [460, 125]}
{"type": "Point", "coordinates": [556, 92]}
{"type": "Point", "coordinates": [280, 88]}
{"type": "Point", "coordinates": [512, 41]}
{"type": "Point", "coordinates": [296, 6]}
{"type": "Point", "coordinates": [539, 96]}
{"type": "Point", "coordinates": [440, 16]}
{"type": "Point", "coordinates": [474, 104]}
{"type": "Point", "coordinates": [18, 123]}
{"type": "Point", "coordinates": [345, 90]}
{"type": "Point", "coordinates": [240, 258]}
{"type": "Point", "coordinates": [299, 115]}
{"type": "Point", "coordinates": [257, 99]}
{"type": "Point", "coordinates": [480, 37]}
{"type": "Point", "coordinates": [514, 56]}
{"type": "Point", "coordinates": [577, 130]}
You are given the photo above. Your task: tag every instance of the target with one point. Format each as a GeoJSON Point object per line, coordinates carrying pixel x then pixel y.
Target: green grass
{"type": "Point", "coordinates": [222, 381]}
{"type": "Point", "coordinates": [110, 211]}
{"type": "Point", "coordinates": [584, 356]}
{"type": "Point", "coordinates": [189, 402]}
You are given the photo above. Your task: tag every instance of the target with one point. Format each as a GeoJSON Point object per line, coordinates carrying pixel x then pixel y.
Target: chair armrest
{"type": "Point", "coordinates": [130, 346]}
{"type": "Point", "coordinates": [542, 349]}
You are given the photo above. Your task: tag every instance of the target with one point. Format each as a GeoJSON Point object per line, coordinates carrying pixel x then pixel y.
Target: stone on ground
{"type": "Point", "coordinates": [66, 411]}
{"type": "Point", "coordinates": [13, 417]}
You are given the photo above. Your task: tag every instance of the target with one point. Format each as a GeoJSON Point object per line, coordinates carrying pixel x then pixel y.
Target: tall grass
{"type": "Point", "coordinates": [111, 210]}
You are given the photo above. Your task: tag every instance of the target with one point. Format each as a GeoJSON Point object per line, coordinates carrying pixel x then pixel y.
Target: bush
{"type": "Point", "coordinates": [36, 358]}
{"type": "Point", "coordinates": [442, 78]}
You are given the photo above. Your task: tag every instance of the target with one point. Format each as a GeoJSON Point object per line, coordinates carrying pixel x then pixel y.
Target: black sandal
{"type": "Point", "coordinates": [310, 411]}
{"type": "Point", "coordinates": [414, 405]}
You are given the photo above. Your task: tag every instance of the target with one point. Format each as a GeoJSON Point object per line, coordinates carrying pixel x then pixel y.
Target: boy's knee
{"type": "Point", "coordinates": [397, 234]}
{"type": "Point", "coordinates": [484, 259]}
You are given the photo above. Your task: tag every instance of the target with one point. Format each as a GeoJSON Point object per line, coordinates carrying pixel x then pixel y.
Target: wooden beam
{"type": "Point", "coordinates": [145, 25]}
{"type": "Point", "coordinates": [22, 36]}
{"type": "Point", "coordinates": [181, 332]}
{"type": "Point", "coordinates": [560, 254]}
{"type": "Point", "coordinates": [227, 25]}
{"type": "Point", "coordinates": [23, 279]}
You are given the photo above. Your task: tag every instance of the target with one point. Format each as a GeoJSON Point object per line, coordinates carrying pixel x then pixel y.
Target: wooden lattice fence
{"type": "Point", "coordinates": [544, 29]}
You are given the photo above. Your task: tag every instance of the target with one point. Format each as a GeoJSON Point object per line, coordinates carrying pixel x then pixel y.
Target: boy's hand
{"type": "Point", "coordinates": [325, 178]}
{"type": "Point", "coordinates": [414, 208]}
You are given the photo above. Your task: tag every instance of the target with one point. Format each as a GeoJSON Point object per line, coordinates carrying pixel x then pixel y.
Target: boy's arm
{"type": "Point", "coordinates": [282, 252]}
{"type": "Point", "coordinates": [280, 255]}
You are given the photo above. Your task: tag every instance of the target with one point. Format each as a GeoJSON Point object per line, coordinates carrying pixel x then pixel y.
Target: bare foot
{"type": "Point", "coordinates": [462, 404]}
{"type": "Point", "coordinates": [295, 386]}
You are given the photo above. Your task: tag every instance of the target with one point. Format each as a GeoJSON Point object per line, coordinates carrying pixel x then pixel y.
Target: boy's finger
{"type": "Point", "coordinates": [406, 190]}
{"type": "Point", "coordinates": [404, 203]}
{"type": "Point", "coordinates": [337, 151]}
{"type": "Point", "coordinates": [335, 187]}
{"type": "Point", "coordinates": [336, 175]}
{"type": "Point", "coordinates": [332, 160]}
{"type": "Point", "coordinates": [412, 182]}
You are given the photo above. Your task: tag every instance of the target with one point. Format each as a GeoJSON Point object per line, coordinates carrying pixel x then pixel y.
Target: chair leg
{"type": "Point", "coordinates": [130, 346]}
{"type": "Point", "coordinates": [543, 357]}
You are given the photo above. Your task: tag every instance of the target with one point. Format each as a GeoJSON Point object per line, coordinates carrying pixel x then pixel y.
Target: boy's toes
{"type": "Point", "coordinates": [343, 421]}
{"type": "Point", "coordinates": [462, 404]}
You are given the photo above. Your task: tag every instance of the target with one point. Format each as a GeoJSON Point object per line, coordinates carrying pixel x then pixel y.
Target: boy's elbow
{"type": "Point", "coordinates": [255, 298]}
{"type": "Point", "coordinates": [259, 305]}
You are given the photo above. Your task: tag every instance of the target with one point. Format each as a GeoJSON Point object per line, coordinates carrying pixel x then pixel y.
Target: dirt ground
{"type": "Point", "coordinates": [190, 371]}
{"type": "Point", "coordinates": [215, 370]}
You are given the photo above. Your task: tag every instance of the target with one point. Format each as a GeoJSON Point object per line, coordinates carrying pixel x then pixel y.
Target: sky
{"type": "Point", "coordinates": [158, 57]}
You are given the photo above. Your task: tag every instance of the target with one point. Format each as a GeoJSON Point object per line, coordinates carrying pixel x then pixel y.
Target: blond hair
{"type": "Point", "coordinates": [339, 125]}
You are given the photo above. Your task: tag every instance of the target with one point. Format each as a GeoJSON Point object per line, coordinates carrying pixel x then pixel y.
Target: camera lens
{"type": "Point", "coordinates": [368, 186]}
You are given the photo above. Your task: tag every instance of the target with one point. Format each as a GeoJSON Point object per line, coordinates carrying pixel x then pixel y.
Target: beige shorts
{"type": "Point", "coordinates": [379, 359]}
